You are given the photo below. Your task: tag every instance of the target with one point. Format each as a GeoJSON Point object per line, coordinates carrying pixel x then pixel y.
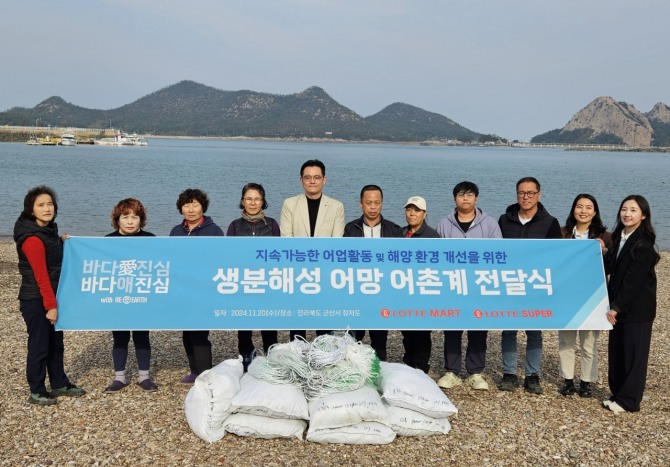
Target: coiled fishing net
{"type": "Point", "coordinates": [331, 363]}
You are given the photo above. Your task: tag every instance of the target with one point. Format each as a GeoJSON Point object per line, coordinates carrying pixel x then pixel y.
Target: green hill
{"type": "Point", "coordinates": [193, 109]}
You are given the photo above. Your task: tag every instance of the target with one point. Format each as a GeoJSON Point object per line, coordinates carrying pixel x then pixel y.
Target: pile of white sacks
{"type": "Point", "coordinates": [335, 388]}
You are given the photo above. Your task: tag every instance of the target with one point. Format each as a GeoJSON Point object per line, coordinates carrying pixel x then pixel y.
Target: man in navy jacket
{"type": "Point", "coordinates": [372, 225]}
{"type": "Point", "coordinates": [525, 219]}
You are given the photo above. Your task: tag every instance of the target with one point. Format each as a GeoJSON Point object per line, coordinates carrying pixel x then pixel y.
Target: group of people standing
{"type": "Point", "coordinates": [629, 257]}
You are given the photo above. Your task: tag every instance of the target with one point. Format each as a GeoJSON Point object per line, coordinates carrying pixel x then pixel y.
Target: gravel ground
{"type": "Point", "coordinates": [491, 428]}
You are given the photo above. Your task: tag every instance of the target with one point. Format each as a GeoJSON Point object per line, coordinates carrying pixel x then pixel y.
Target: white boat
{"type": "Point", "coordinates": [33, 141]}
{"type": "Point", "coordinates": [122, 139]}
{"type": "Point", "coordinates": [68, 139]}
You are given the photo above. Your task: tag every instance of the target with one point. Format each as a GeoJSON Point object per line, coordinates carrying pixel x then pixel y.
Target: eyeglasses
{"type": "Point", "coordinates": [527, 194]}
{"type": "Point", "coordinates": [309, 178]}
{"type": "Point", "coordinates": [253, 200]}
{"type": "Point", "coordinates": [466, 194]}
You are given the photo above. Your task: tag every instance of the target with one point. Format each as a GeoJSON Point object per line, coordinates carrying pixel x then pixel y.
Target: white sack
{"type": "Point", "coordinates": [258, 397]}
{"type": "Point", "coordinates": [207, 403]}
{"type": "Point", "coordinates": [347, 408]}
{"type": "Point", "coordinates": [255, 426]}
{"type": "Point", "coordinates": [403, 386]}
{"type": "Point", "coordinates": [361, 433]}
{"type": "Point", "coordinates": [407, 422]}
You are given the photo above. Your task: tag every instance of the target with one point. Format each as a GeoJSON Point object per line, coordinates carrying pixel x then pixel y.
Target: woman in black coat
{"type": "Point", "coordinates": [253, 223]}
{"type": "Point", "coordinates": [632, 294]}
{"type": "Point", "coordinates": [192, 204]}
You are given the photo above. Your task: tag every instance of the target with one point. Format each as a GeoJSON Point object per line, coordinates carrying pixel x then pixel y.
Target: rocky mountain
{"type": "Point", "coordinates": [606, 121]}
{"type": "Point", "coordinates": [193, 109]}
{"type": "Point", "coordinates": [659, 118]}
{"type": "Point", "coordinates": [660, 113]}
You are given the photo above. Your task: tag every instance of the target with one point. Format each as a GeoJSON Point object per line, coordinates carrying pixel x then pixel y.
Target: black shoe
{"type": "Point", "coordinates": [509, 382]}
{"type": "Point", "coordinates": [148, 385]}
{"type": "Point", "coordinates": [247, 359]}
{"type": "Point", "coordinates": [69, 391]}
{"type": "Point", "coordinates": [585, 389]}
{"type": "Point", "coordinates": [532, 384]}
{"type": "Point", "coordinates": [115, 386]}
{"type": "Point", "coordinates": [42, 399]}
{"type": "Point", "coordinates": [568, 388]}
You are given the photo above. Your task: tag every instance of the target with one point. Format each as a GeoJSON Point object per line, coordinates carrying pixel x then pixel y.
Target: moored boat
{"type": "Point", "coordinates": [68, 139]}
{"type": "Point", "coordinates": [122, 139]}
{"type": "Point", "coordinates": [48, 141]}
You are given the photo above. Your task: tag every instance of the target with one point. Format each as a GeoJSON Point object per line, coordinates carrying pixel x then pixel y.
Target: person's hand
{"type": "Point", "coordinates": [603, 248]}
{"type": "Point", "coordinates": [65, 236]}
{"type": "Point", "coordinates": [52, 315]}
{"type": "Point", "coordinates": [611, 317]}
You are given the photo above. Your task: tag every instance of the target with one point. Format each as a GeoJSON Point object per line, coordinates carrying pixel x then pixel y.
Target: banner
{"type": "Point", "coordinates": [255, 283]}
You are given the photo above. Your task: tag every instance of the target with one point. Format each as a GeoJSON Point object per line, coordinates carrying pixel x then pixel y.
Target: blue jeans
{"type": "Point", "coordinates": [533, 352]}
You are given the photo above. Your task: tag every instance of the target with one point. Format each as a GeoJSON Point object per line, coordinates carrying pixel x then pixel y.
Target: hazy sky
{"type": "Point", "coordinates": [514, 68]}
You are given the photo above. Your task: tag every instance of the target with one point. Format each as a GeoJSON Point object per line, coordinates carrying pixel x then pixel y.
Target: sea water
{"type": "Point", "coordinates": [90, 180]}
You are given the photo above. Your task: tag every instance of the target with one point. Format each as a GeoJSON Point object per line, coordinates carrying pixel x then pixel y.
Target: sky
{"type": "Point", "coordinates": [512, 68]}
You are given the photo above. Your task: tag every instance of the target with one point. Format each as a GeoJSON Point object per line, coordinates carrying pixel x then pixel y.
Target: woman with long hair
{"type": "Point", "coordinates": [583, 223]}
{"type": "Point", "coordinates": [40, 251]}
{"type": "Point", "coordinates": [631, 265]}
{"type": "Point", "coordinates": [253, 223]}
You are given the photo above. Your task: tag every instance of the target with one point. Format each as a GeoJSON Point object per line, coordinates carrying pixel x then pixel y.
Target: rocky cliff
{"type": "Point", "coordinates": [660, 113]}
{"type": "Point", "coordinates": [606, 121]}
{"type": "Point", "coordinates": [607, 116]}
{"type": "Point", "coordinates": [659, 117]}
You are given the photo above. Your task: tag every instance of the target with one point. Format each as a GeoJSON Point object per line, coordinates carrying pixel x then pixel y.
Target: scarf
{"type": "Point", "coordinates": [255, 218]}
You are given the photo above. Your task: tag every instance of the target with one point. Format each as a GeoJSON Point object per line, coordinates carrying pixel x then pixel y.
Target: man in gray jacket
{"type": "Point", "coordinates": [466, 221]}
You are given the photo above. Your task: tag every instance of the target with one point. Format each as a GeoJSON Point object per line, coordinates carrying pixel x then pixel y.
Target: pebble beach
{"type": "Point", "coordinates": [493, 427]}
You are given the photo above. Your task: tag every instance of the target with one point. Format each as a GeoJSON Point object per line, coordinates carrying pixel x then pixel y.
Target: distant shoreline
{"type": "Point", "coordinates": [564, 146]}
{"type": "Point", "coordinates": [23, 134]}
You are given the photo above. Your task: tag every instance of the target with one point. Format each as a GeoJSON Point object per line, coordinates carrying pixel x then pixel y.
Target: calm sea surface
{"type": "Point", "coordinates": [90, 180]}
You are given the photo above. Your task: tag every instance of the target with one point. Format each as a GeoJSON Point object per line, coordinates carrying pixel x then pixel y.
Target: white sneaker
{"type": "Point", "coordinates": [616, 408]}
{"type": "Point", "coordinates": [606, 403]}
{"type": "Point", "coordinates": [449, 380]}
{"type": "Point", "coordinates": [434, 375]}
{"type": "Point", "coordinates": [476, 381]}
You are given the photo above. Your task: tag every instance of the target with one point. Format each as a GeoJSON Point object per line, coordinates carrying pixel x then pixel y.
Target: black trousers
{"type": "Point", "coordinates": [198, 350]}
{"type": "Point", "coordinates": [303, 334]}
{"type": "Point", "coordinates": [245, 343]}
{"type": "Point", "coordinates": [417, 346]}
{"type": "Point", "coordinates": [628, 358]}
{"type": "Point", "coordinates": [120, 349]}
{"type": "Point", "coordinates": [45, 349]}
{"type": "Point", "coordinates": [475, 353]}
{"type": "Point", "coordinates": [377, 341]}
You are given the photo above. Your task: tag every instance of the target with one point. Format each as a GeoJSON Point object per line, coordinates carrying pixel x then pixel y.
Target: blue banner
{"type": "Point", "coordinates": [176, 283]}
